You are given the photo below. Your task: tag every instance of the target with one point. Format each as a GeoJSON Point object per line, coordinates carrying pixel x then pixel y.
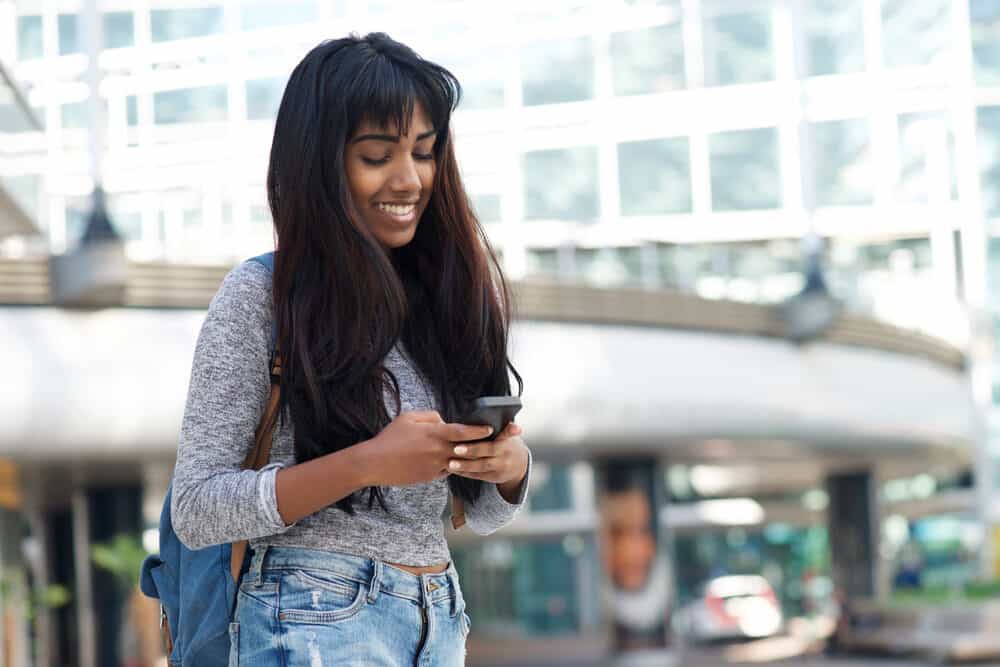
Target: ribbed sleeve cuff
{"type": "Point", "coordinates": [267, 498]}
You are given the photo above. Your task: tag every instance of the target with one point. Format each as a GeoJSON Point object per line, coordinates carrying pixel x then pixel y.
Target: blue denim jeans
{"type": "Point", "coordinates": [315, 608]}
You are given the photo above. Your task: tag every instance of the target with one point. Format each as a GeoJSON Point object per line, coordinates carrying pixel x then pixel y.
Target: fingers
{"type": "Point", "coordinates": [475, 468]}
{"type": "Point", "coordinates": [462, 432]}
{"type": "Point", "coordinates": [512, 430]}
{"type": "Point", "coordinates": [475, 451]}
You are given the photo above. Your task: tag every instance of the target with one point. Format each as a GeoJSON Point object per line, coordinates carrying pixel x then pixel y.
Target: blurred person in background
{"type": "Point", "coordinates": [391, 315]}
{"type": "Point", "coordinates": [639, 578]}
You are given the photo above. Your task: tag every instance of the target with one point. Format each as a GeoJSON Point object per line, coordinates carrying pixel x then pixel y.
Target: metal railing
{"type": "Point", "coordinates": [163, 285]}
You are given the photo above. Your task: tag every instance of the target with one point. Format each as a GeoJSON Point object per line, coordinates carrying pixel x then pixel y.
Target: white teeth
{"type": "Point", "coordinates": [397, 209]}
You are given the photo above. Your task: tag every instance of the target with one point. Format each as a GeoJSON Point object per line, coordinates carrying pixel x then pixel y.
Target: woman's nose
{"type": "Point", "coordinates": [405, 177]}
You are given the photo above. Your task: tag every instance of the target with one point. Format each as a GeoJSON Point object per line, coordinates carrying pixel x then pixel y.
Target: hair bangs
{"type": "Point", "coordinates": [390, 86]}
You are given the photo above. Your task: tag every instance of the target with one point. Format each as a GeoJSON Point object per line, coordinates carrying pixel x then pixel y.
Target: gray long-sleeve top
{"type": "Point", "coordinates": [216, 501]}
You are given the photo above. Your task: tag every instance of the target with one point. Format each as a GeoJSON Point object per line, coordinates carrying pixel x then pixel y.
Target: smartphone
{"type": "Point", "coordinates": [495, 411]}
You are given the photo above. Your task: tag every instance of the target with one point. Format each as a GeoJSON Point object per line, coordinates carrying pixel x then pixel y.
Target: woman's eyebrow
{"type": "Point", "coordinates": [391, 138]}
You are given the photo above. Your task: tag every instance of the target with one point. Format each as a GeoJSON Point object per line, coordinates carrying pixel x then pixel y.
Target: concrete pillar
{"type": "Point", "coordinates": [854, 532]}
{"type": "Point", "coordinates": [635, 554]}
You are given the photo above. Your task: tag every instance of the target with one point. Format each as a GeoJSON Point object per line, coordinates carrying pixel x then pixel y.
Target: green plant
{"type": "Point", "coordinates": [122, 557]}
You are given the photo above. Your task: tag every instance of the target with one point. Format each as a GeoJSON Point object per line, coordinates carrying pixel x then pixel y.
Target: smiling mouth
{"type": "Point", "coordinates": [397, 210]}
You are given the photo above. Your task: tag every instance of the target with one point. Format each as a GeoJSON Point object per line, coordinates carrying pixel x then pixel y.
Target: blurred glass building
{"type": "Point", "coordinates": [643, 147]}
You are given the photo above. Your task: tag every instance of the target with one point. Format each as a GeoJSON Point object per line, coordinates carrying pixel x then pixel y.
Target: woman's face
{"type": "Point", "coordinates": [390, 177]}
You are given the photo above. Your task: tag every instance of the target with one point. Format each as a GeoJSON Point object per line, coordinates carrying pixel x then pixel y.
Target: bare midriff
{"type": "Point", "coordinates": [427, 569]}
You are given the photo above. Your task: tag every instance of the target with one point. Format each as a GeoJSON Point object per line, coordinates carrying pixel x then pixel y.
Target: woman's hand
{"type": "Point", "coordinates": [503, 461]}
{"type": "Point", "coordinates": [415, 448]}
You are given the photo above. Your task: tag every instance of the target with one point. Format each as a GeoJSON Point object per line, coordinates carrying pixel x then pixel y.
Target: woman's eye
{"type": "Point", "coordinates": [423, 156]}
{"type": "Point", "coordinates": [374, 161]}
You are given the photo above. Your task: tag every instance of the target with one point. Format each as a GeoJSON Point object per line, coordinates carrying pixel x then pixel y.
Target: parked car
{"type": "Point", "coordinates": [732, 607]}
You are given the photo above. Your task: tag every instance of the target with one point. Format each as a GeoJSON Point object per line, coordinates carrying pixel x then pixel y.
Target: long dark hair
{"type": "Point", "coordinates": [342, 301]}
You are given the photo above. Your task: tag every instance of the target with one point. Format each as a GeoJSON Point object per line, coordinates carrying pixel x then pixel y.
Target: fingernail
{"type": "Point", "coordinates": [454, 465]}
{"type": "Point", "coordinates": [460, 450]}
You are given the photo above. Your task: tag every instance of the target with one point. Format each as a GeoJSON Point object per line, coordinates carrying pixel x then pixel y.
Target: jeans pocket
{"type": "Point", "coordinates": [234, 645]}
{"type": "Point", "coordinates": [311, 597]}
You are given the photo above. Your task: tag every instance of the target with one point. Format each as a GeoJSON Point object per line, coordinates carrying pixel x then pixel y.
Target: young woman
{"type": "Point", "coordinates": [392, 315]}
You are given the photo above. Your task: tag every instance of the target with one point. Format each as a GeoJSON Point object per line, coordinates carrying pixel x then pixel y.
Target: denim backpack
{"type": "Point", "coordinates": [197, 587]}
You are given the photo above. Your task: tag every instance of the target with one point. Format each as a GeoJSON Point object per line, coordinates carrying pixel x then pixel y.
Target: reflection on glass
{"type": "Point", "coordinates": [738, 49]}
{"type": "Point", "coordinates": [132, 110]}
{"type": "Point", "coordinates": [915, 33]}
{"type": "Point", "coordinates": [26, 190]}
{"type": "Point", "coordinates": [648, 61]}
{"type": "Point", "coordinates": [988, 144]}
{"type": "Point", "coordinates": [170, 24]}
{"type": "Point", "coordinates": [74, 115]}
{"type": "Point", "coordinates": [609, 267]}
{"type": "Point", "coordinates": [264, 97]}
{"type": "Point", "coordinates": [127, 220]}
{"type": "Point", "coordinates": [655, 176]}
{"type": "Point", "coordinates": [985, 15]}
{"type": "Point", "coordinates": [843, 163]}
{"type": "Point", "coordinates": [69, 34]}
{"type": "Point", "coordinates": [542, 263]}
{"type": "Point", "coordinates": [922, 136]}
{"type": "Point", "coordinates": [745, 168]}
{"type": "Point", "coordinates": [561, 184]}
{"type": "Point", "coordinates": [118, 30]}
{"type": "Point", "coordinates": [555, 492]}
{"type": "Point", "coordinates": [835, 37]}
{"type": "Point", "coordinates": [190, 105]}
{"type": "Point", "coordinates": [482, 86]}
{"type": "Point", "coordinates": [524, 588]}
{"type": "Point", "coordinates": [271, 14]}
{"type": "Point", "coordinates": [562, 71]}
{"type": "Point", "coordinates": [29, 37]}
{"type": "Point", "coordinates": [487, 207]}
{"type": "Point", "coordinates": [758, 272]}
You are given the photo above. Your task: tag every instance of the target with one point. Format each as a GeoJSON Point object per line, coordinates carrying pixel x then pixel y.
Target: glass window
{"type": "Point", "coordinates": [132, 110]}
{"type": "Point", "coordinates": [29, 37]}
{"type": "Point", "coordinates": [555, 491]}
{"type": "Point", "coordinates": [119, 30]}
{"type": "Point", "coordinates": [530, 588]}
{"type": "Point", "coordinates": [988, 144]}
{"type": "Point", "coordinates": [561, 184]}
{"type": "Point", "coordinates": [542, 262]}
{"type": "Point", "coordinates": [915, 33]}
{"type": "Point", "coordinates": [843, 163]}
{"type": "Point", "coordinates": [482, 87]}
{"type": "Point", "coordinates": [69, 34]}
{"type": "Point", "coordinates": [170, 24]}
{"type": "Point", "coordinates": [264, 97]}
{"type": "Point", "coordinates": [555, 72]}
{"type": "Point", "coordinates": [74, 115]}
{"type": "Point", "coordinates": [648, 61]}
{"type": "Point", "coordinates": [77, 211]}
{"type": "Point", "coordinates": [26, 189]}
{"type": "Point", "coordinates": [746, 172]}
{"type": "Point", "coordinates": [738, 49]}
{"type": "Point", "coordinates": [271, 14]}
{"type": "Point", "coordinates": [609, 267]}
{"type": "Point", "coordinates": [655, 176]}
{"type": "Point", "coordinates": [985, 15]}
{"type": "Point", "coordinates": [922, 136]}
{"type": "Point", "coordinates": [190, 105]}
{"type": "Point", "coordinates": [487, 207]}
{"type": "Point", "coordinates": [835, 37]}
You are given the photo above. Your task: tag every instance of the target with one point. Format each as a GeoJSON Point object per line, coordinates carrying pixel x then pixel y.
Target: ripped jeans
{"type": "Point", "coordinates": [308, 608]}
